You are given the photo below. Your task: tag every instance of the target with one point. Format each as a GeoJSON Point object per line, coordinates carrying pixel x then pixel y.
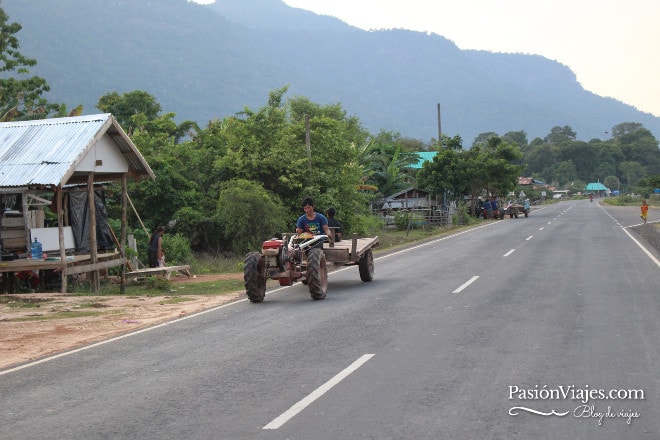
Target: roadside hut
{"type": "Point", "coordinates": [597, 187]}
{"type": "Point", "coordinates": [52, 158]}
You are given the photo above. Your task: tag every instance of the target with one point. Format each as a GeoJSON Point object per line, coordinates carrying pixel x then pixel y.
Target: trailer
{"type": "Point", "coordinates": [517, 208]}
{"type": "Point", "coordinates": [304, 257]}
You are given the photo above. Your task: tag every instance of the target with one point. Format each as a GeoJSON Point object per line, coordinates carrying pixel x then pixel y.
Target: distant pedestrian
{"type": "Point", "coordinates": [645, 211]}
{"type": "Point", "coordinates": [488, 209]}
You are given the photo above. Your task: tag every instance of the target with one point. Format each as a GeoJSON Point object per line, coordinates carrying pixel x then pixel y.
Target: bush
{"type": "Point", "coordinates": [177, 249]}
{"type": "Point", "coordinates": [248, 214]}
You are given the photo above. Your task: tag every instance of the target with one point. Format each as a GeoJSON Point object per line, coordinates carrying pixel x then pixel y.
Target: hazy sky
{"type": "Point", "coordinates": [613, 46]}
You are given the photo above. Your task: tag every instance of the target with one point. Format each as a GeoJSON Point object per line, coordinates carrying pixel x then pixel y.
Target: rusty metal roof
{"type": "Point", "coordinates": [46, 152]}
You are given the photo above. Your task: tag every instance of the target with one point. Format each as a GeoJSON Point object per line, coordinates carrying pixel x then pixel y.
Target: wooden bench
{"type": "Point", "coordinates": [167, 271]}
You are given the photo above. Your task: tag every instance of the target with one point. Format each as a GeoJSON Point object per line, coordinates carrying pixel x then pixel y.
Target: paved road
{"type": "Point", "coordinates": [515, 330]}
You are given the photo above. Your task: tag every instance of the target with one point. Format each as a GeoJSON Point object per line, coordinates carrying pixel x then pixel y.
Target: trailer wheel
{"type": "Point", "coordinates": [527, 213]}
{"type": "Point", "coordinates": [366, 266]}
{"type": "Point", "coordinates": [317, 274]}
{"type": "Point", "coordinates": [254, 274]}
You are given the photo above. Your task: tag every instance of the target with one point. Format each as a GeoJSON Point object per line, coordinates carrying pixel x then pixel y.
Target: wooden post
{"type": "Point", "coordinates": [122, 246]}
{"type": "Point", "coordinates": [93, 248]}
{"type": "Point", "coordinates": [59, 195]}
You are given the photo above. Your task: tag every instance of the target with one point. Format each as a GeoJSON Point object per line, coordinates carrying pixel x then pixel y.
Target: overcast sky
{"type": "Point", "coordinates": [613, 46]}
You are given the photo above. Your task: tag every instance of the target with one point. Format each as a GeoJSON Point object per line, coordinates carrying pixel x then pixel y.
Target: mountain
{"type": "Point", "coordinates": [206, 62]}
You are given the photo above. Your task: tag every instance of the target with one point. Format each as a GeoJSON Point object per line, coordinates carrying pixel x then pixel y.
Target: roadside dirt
{"type": "Point", "coordinates": [23, 341]}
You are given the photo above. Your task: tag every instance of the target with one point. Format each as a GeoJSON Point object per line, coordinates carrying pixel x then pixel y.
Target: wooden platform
{"type": "Point", "coordinates": [72, 265]}
{"type": "Point", "coordinates": [348, 251]}
{"type": "Point", "coordinates": [167, 271]}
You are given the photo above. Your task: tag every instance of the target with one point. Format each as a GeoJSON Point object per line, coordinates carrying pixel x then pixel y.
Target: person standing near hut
{"type": "Point", "coordinates": [155, 252]}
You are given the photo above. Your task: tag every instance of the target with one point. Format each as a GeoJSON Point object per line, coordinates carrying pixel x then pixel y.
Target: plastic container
{"type": "Point", "coordinates": [36, 250]}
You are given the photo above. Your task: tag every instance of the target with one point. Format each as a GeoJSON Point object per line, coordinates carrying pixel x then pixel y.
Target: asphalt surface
{"type": "Point", "coordinates": [531, 328]}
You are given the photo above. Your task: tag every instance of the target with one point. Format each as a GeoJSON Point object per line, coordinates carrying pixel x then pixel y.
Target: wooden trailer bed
{"type": "Point", "coordinates": [349, 251]}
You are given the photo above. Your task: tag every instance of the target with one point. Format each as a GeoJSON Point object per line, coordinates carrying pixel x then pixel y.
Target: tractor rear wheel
{"type": "Point", "coordinates": [366, 266]}
{"type": "Point", "coordinates": [254, 274]}
{"type": "Point", "coordinates": [317, 274]}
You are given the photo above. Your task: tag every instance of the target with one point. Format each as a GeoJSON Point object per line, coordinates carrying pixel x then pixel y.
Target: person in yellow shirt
{"type": "Point", "coordinates": [645, 211]}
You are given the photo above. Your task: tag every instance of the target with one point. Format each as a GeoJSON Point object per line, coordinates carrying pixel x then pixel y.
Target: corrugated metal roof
{"type": "Point", "coordinates": [597, 186]}
{"type": "Point", "coordinates": [424, 156]}
{"type": "Point", "coordinates": [46, 152]}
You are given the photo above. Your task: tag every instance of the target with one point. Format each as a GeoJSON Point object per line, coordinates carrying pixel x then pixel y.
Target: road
{"type": "Point", "coordinates": [531, 328]}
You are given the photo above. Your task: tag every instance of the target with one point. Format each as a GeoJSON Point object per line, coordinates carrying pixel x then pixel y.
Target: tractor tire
{"type": "Point", "coordinates": [527, 213]}
{"type": "Point", "coordinates": [317, 274]}
{"type": "Point", "coordinates": [366, 266]}
{"type": "Point", "coordinates": [254, 274]}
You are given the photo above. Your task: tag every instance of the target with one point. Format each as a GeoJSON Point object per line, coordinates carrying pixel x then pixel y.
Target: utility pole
{"type": "Point", "coordinates": [444, 195]}
{"type": "Point", "coordinates": [439, 127]}
{"type": "Point", "coordinates": [308, 143]}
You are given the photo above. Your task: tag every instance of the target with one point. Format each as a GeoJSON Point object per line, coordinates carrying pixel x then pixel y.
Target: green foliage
{"type": "Point", "coordinates": [177, 249]}
{"type": "Point", "coordinates": [21, 94]}
{"type": "Point", "coordinates": [126, 106]}
{"type": "Point", "coordinates": [160, 284]}
{"type": "Point", "coordinates": [405, 220]}
{"type": "Point", "coordinates": [248, 214]}
{"type": "Point", "coordinates": [488, 168]}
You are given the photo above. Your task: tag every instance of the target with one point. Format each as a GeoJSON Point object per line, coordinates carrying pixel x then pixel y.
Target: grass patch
{"type": "Point", "coordinates": [56, 315]}
{"type": "Point", "coordinates": [23, 302]}
{"type": "Point", "coordinates": [164, 287]}
{"type": "Point", "coordinates": [175, 300]}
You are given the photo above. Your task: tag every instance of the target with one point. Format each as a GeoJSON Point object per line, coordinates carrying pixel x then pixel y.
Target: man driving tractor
{"type": "Point", "coordinates": [312, 222]}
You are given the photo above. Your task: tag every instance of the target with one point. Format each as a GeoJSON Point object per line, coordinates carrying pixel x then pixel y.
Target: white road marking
{"type": "Point", "coordinates": [467, 283]}
{"type": "Point", "coordinates": [509, 253]}
{"type": "Point", "coordinates": [529, 238]}
{"type": "Point", "coordinates": [541, 228]}
{"type": "Point", "coordinates": [304, 403]}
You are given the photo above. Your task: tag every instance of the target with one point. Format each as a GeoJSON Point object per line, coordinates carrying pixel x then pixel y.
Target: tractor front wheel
{"type": "Point", "coordinates": [254, 274]}
{"type": "Point", "coordinates": [317, 274]}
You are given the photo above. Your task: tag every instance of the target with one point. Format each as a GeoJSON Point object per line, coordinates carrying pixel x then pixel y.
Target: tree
{"type": "Point", "coordinates": [612, 182]}
{"type": "Point", "coordinates": [632, 171]}
{"type": "Point", "coordinates": [248, 215]}
{"type": "Point", "coordinates": [625, 128]}
{"type": "Point", "coordinates": [560, 134]}
{"type": "Point", "coordinates": [127, 105]}
{"type": "Point", "coordinates": [482, 138]}
{"type": "Point", "coordinates": [489, 169]}
{"type": "Point", "coordinates": [565, 173]}
{"type": "Point", "coordinates": [386, 165]}
{"type": "Point", "coordinates": [20, 95]}
{"type": "Point", "coordinates": [519, 138]}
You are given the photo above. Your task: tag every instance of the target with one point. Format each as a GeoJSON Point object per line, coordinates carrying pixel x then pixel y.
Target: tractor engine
{"type": "Point", "coordinates": [281, 261]}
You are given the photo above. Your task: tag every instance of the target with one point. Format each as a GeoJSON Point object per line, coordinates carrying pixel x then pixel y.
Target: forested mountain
{"type": "Point", "coordinates": [206, 62]}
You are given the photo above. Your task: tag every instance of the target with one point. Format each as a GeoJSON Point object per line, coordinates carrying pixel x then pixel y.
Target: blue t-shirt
{"type": "Point", "coordinates": [314, 226]}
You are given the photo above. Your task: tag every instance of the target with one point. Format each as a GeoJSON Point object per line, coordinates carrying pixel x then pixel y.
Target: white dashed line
{"type": "Point", "coordinates": [467, 283]}
{"type": "Point", "coordinates": [304, 403]}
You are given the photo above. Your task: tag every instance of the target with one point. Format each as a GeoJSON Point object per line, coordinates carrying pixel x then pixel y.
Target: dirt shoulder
{"type": "Point", "coordinates": [25, 336]}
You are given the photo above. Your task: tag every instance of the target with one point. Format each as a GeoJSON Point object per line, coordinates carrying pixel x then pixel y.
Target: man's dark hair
{"type": "Point", "coordinates": [332, 212]}
{"type": "Point", "coordinates": [308, 201]}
